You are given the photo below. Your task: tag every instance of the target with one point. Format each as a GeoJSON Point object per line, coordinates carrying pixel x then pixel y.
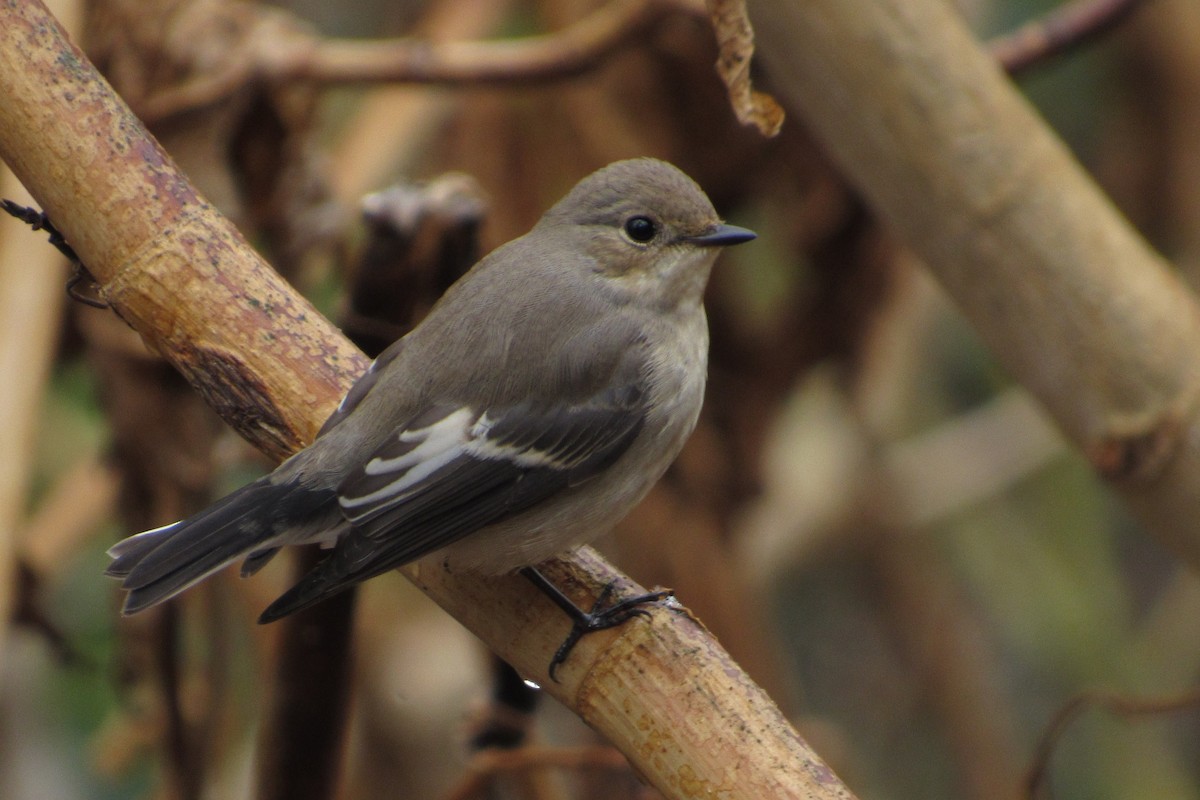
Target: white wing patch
{"type": "Point", "coordinates": [457, 466]}
{"type": "Point", "coordinates": [440, 443]}
{"type": "Point", "coordinates": [480, 446]}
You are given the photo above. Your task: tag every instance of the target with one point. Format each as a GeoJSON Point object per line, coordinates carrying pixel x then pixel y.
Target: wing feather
{"type": "Point", "coordinates": [450, 473]}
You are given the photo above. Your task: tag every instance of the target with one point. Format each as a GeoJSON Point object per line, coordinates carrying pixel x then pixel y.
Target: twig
{"type": "Point", "coordinates": [299, 56]}
{"type": "Point", "coordinates": [1065, 28]}
{"type": "Point", "coordinates": [557, 56]}
{"type": "Point", "coordinates": [392, 125]}
{"type": "Point", "coordinates": [1113, 702]}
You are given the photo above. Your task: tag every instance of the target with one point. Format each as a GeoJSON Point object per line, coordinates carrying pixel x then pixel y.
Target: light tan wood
{"type": "Point", "coordinates": [1070, 299]}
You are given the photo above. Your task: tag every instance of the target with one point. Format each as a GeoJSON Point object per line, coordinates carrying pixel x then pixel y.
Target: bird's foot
{"type": "Point", "coordinates": [602, 615]}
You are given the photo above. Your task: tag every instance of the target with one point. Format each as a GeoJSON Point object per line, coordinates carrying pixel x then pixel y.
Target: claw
{"type": "Point", "coordinates": [601, 617]}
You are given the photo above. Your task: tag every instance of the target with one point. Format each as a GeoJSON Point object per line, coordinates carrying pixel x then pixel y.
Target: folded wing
{"type": "Point", "coordinates": [453, 470]}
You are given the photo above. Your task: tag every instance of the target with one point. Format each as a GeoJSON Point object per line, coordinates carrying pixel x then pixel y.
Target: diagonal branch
{"type": "Point", "coordinates": [662, 690]}
{"type": "Point", "coordinates": [1066, 294]}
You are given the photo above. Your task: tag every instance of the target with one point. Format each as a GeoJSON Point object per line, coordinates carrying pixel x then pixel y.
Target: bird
{"type": "Point", "coordinates": [538, 401]}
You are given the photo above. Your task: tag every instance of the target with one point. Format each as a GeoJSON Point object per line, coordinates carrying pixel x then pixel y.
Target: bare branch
{"type": "Point", "coordinates": [285, 55]}
{"type": "Point", "coordinates": [1121, 705]}
{"type": "Point", "coordinates": [1064, 29]}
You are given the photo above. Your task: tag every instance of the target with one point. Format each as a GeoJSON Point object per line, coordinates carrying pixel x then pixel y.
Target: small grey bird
{"type": "Point", "coordinates": [536, 404]}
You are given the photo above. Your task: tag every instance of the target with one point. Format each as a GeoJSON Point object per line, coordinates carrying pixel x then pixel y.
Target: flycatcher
{"type": "Point", "coordinates": [534, 406]}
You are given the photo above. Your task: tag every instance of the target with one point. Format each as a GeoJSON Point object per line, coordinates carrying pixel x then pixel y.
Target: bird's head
{"type": "Point", "coordinates": [646, 227]}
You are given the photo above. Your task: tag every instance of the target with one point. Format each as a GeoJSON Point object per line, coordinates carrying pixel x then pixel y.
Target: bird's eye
{"type": "Point", "coordinates": [640, 229]}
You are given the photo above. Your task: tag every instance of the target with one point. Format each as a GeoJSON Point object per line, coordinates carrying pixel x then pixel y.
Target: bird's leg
{"type": "Point", "coordinates": [81, 285]}
{"type": "Point", "coordinates": [601, 617]}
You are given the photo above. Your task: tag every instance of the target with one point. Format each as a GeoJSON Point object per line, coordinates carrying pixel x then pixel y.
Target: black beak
{"type": "Point", "coordinates": [722, 236]}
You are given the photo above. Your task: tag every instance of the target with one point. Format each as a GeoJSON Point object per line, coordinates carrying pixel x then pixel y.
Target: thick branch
{"type": "Point", "coordinates": [1066, 294]}
{"type": "Point", "coordinates": [662, 689]}
{"type": "Point", "coordinates": [177, 272]}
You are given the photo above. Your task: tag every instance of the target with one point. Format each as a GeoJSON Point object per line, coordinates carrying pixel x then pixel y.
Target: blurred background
{"type": "Point", "coordinates": [877, 523]}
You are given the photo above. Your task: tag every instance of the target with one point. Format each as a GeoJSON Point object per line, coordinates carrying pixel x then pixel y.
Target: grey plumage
{"type": "Point", "coordinates": [535, 405]}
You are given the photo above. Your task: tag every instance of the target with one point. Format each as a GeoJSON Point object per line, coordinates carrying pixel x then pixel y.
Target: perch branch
{"type": "Point", "coordinates": [662, 690]}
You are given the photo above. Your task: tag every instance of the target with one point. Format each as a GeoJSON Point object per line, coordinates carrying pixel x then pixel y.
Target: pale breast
{"type": "Point", "coordinates": [578, 515]}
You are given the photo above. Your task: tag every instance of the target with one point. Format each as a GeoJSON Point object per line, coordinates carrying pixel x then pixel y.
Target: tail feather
{"type": "Point", "coordinates": [312, 589]}
{"type": "Point", "coordinates": [257, 560]}
{"type": "Point", "coordinates": [336, 573]}
{"type": "Point", "coordinates": [128, 552]}
{"type": "Point", "coordinates": [159, 564]}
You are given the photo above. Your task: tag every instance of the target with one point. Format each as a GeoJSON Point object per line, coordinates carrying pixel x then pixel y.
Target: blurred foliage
{"type": "Point", "coordinates": [72, 423]}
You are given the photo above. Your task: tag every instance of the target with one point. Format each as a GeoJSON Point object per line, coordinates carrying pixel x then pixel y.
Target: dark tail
{"type": "Point", "coordinates": [355, 559]}
{"type": "Point", "coordinates": [159, 564]}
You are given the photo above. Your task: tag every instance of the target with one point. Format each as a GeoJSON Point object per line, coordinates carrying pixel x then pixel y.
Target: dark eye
{"type": "Point", "coordinates": [640, 229]}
